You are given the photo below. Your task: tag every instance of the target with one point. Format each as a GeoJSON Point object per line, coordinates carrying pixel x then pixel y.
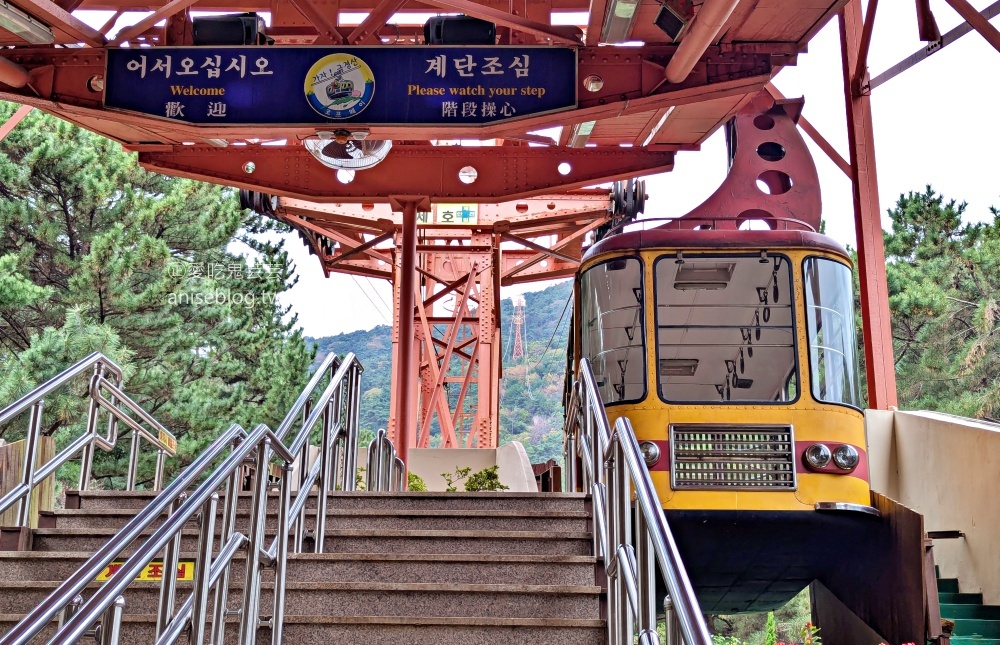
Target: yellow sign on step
{"type": "Point", "coordinates": [152, 572]}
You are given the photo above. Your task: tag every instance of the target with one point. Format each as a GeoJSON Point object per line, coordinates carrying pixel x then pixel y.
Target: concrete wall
{"type": "Point", "coordinates": [515, 468]}
{"type": "Point", "coordinates": [948, 469]}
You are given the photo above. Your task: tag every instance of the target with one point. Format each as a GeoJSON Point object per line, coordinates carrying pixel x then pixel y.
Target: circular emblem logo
{"type": "Point", "coordinates": [339, 86]}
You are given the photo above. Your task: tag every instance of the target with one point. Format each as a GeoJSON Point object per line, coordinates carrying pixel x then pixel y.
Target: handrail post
{"type": "Point", "coordinates": [133, 461]}
{"type": "Point", "coordinates": [203, 570]}
{"type": "Point", "coordinates": [158, 475]}
{"type": "Point", "coordinates": [30, 457]}
{"type": "Point", "coordinates": [222, 587]}
{"type": "Point", "coordinates": [645, 574]}
{"type": "Point", "coordinates": [93, 414]}
{"type": "Point", "coordinates": [168, 583]}
{"type": "Point", "coordinates": [251, 590]}
{"type": "Point", "coordinates": [111, 625]}
{"type": "Point", "coordinates": [353, 405]}
{"type": "Point", "coordinates": [281, 555]}
{"type": "Point", "coordinates": [327, 445]}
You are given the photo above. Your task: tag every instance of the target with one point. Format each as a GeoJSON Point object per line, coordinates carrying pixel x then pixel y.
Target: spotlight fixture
{"type": "Point", "coordinates": [670, 22]}
{"type": "Point", "coordinates": [21, 24]}
{"type": "Point", "coordinates": [618, 20]}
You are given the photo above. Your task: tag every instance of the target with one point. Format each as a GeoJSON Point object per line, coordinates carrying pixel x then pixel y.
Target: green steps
{"type": "Point", "coordinates": [960, 598]}
{"type": "Point", "coordinates": [975, 623]}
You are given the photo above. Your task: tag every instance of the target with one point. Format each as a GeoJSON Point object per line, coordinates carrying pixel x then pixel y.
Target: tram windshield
{"type": "Point", "coordinates": [725, 328]}
{"type": "Point", "coordinates": [611, 328]}
{"type": "Point", "coordinates": [833, 359]}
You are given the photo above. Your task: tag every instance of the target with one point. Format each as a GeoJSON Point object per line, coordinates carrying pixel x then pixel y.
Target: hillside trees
{"type": "Point", "coordinates": [98, 255]}
{"type": "Point", "coordinates": [944, 285]}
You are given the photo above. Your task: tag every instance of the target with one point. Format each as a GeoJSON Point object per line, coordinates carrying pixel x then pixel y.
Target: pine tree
{"type": "Point", "coordinates": [97, 254]}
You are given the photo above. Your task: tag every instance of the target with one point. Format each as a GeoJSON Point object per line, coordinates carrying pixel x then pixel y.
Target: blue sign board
{"type": "Point", "coordinates": [329, 86]}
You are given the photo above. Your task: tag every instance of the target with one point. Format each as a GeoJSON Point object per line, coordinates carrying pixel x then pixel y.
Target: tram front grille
{"type": "Point", "coordinates": [711, 457]}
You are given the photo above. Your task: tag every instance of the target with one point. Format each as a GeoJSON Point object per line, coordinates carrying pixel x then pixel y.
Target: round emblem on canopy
{"type": "Point", "coordinates": [339, 86]}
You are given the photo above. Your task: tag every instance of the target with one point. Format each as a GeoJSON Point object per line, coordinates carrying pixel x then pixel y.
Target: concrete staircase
{"type": "Point", "coordinates": [414, 568]}
{"type": "Point", "coordinates": [975, 623]}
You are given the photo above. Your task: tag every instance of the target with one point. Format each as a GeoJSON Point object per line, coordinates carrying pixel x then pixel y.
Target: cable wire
{"type": "Point", "coordinates": [374, 306]}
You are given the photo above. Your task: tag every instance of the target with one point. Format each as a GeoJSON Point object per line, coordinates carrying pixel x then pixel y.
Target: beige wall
{"type": "Point", "coordinates": [515, 469]}
{"type": "Point", "coordinates": [948, 469]}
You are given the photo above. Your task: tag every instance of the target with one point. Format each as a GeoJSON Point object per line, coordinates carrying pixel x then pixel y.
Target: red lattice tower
{"type": "Point", "coordinates": [518, 328]}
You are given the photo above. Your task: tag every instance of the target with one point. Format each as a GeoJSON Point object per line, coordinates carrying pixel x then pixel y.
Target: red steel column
{"type": "Point", "coordinates": [406, 391]}
{"type": "Point", "coordinates": [879, 363]}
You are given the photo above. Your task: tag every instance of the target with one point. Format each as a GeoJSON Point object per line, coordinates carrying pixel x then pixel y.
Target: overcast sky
{"type": "Point", "coordinates": [934, 124]}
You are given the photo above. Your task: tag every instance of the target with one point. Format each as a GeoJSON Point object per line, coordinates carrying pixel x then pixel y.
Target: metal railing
{"type": "Point", "coordinates": [334, 410]}
{"type": "Point", "coordinates": [610, 466]}
{"type": "Point", "coordinates": [385, 470]}
{"type": "Point", "coordinates": [104, 390]}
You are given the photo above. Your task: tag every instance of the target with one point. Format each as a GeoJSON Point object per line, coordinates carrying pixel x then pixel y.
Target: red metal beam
{"type": "Point", "coordinates": [14, 119]}
{"type": "Point", "coordinates": [365, 32]}
{"type": "Point", "coordinates": [405, 385]}
{"type": "Point", "coordinates": [879, 363]}
{"type": "Point", "coordinates": [978, 22]}
{"type": "Point", "coordinates": [503, 174]}
{"type": "Point", "coordinates": [866, 40]}
{"type": "Point", "coordinates": [632, 85]}
{"type": "Point", "coordinates": [326, 25]}
{"type": "Point", "coordinates": [165, 11]}
{"type": "Point", "coordinates": [58, 18]}
{"type": "Point", "coordinates": [554, 35]}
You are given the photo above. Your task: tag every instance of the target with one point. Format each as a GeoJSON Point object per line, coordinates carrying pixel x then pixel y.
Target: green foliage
{"type": "Point", "coordinates": [415, 483]}
{"type": "Point", "coordinates": [810, 634]}
{"type": "Point", "coordinates": [752, 629]}
{"type": "Point", "coordinates": [770, 630]}
{"type": "Point", "coordinates": [944, 277]}
{"type": "Point", "coordinates": [450, 479]}
{"type": "Point", "coordinates": [487, 479]}
{"type": "Point", "coordinates": [99, 255]}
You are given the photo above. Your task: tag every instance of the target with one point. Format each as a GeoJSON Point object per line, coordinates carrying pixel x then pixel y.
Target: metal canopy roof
{"type": "Point", "coordinates": [637, 117]}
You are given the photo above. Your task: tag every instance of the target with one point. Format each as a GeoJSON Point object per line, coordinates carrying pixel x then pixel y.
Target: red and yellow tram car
{"type": "Point", "coordinates": [733, 352]}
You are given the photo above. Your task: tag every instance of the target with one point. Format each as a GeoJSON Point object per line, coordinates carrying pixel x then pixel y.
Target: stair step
{"type": "Point", "coordinates": [358, 598]}
{"type": "Point", "coordinates": [977, 627]}
{"type": "Point", "coordinates": [960, 598]}
{"type": "Point", "coordinates": [329, 567]}
{"type": "Point", "coordinates": [443, 568]}
{"type": "Point", "coordinates": [982, 612]}
{"type": "Point", "coordinates": [365, 501]}
{"type": "Point", "coordinates": [947, 585]}
{"type": "Point", "coordinates": [360, 541]}
{"type": "Point", "coordinates": [386, 630]}
{"type": "Point", "coordinates": [458, 519]}
{"type": "Point", "coordinates": [423, 630]}
{"type": "Point", "coordinates": [468, 542]}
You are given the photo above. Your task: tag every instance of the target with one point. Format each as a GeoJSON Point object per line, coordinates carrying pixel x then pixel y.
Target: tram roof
{"type": "Point", "coordinates": [715, 240]}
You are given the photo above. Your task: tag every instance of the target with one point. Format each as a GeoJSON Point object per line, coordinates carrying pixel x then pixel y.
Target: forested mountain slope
{"type": "Point", "coordinates": [531, 408]}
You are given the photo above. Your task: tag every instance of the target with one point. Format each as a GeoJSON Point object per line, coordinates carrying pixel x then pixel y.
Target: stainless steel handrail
{"type": "Point", "coordinates": [106, 376]}
{"type": "Point", "coordinates": [337, 407]}
{"type": "Point", "coordinates": [609, 465]}
{"type": "Point", "coordinates": [385, 470]}
{"type": "Point", "coordinates": [64, 594]}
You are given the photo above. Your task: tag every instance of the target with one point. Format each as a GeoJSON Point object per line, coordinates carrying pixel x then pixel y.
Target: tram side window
{"type": "Point", "coordinates": [725, 328]}
{"type": "Point", "coordinates": [833, 357]}
{"type": "Point", "coordinates": [611, 328]}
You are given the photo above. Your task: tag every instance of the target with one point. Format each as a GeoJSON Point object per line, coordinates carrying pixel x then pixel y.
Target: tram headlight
{"type": "Point", "coordinates": [650, 452]}
{"type": "Point", "coordinates": [846, 457]}
{"type": "Point", "coordinates": [817, 456]}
